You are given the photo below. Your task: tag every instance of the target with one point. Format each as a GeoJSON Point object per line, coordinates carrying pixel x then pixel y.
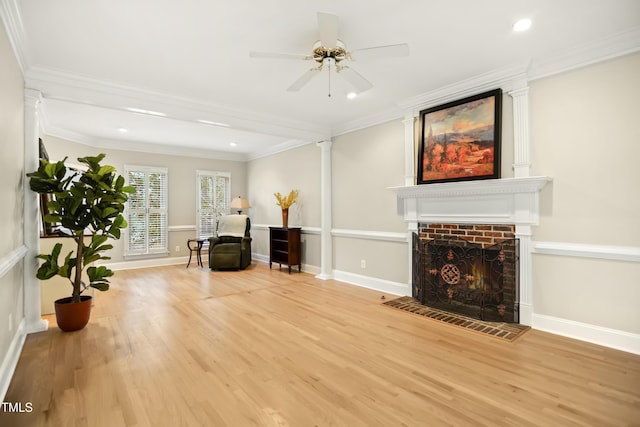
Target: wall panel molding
{"type": "Point", "coordinates": [10, 361]}
{"type": "Point", "coordinates": [14, 257]}
{"type": "Point", "coordinates": [382, 236]}
{"type": "Point", "coordinates": [580, 250]}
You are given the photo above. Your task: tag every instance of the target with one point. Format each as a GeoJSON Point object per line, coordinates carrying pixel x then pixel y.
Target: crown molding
{"type": "Point", "coordinates": [61, 85]}
{"type": "Point", "coordinates": [383, 116]}
{"type": "Point", "coordinates": [508, 78]}
{"type": "Point", "coordinates": [142, 147]}
{"type": "Point", "coordinates": [279, 148]}
{"type": "Point", "coordinates": [57, 84]}
{"type": "Point", "coordinates": [617, 45]}
{"type": "Point", "coordinates": [15, 32]}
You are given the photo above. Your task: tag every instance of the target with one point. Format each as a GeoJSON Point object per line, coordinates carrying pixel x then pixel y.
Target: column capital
{"type": "Point", "coordinates": [523, 91]}
{"type": "Point", "coordinates": [409, 118]}
{"type": "Point", "coordinates": [324, 145]}
{"type": "Point", "coordinates": [32, 96]}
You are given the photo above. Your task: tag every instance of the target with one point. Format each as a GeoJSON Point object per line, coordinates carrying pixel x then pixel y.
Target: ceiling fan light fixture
{"type": "Point", "coordinates": [330, 52]}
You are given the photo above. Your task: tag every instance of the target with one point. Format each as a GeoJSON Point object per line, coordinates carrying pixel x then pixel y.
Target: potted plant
{"type": "Point", "coordinates": [88, 207]}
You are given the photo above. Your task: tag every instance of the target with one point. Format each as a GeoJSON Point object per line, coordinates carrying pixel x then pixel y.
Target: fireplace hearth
{"type": "Point", "coordinates": [468, 269]}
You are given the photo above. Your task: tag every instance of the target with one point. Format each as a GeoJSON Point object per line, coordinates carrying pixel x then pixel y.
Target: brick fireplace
{"type": "Point", "coordinates": [471, 269]}
{"type": "Point", "coordinates": [479, 213]}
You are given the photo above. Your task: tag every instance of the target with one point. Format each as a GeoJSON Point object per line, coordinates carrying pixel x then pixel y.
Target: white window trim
{"type": "Point", "coordinates": [199, 175]}
{"type": "Point", "coordinates": [150, 253]}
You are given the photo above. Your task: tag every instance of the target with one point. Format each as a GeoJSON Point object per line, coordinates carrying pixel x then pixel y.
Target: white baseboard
{"type": "Point", "coordinates": [260, 258]}
{"type": "Point", "coordinates": [10, 361]}
{"type": "Point", "coordinates": [311, 269]}
{"type": "Point", "coordinates": [381, 285]}
{"type": "Point", "coordinates": [613, 338]}
{"type": "Point", "coordinates": [145, 263]}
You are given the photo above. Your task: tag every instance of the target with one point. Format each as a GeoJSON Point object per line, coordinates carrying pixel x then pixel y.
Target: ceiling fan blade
{"type": "Point", "coordinates": [304, 79]}
{"type": "Point", "coordinates": [274, 55]}
{"type": "Point", "coordinates": [355, 79]}
{"type": "Point", "coordinates": [391, 51]}
{"type": "Point", "coordinates": [328, 29]}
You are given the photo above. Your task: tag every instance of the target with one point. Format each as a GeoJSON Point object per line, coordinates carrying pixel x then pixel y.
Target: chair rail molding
{"type": "Point", "coordinates": [581, 250]}
{"type": "Point", "coordinates": [14, 257]}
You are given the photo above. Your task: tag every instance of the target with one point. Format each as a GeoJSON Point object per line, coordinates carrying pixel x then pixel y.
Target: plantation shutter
{"type": "Point", "coordinates": [213, 200]}
{"type": "Point", "coordinates": [147, 211]}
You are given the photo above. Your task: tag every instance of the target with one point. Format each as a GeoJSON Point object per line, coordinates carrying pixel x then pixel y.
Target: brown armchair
{"type": "Point", "coordinates": [231, 248]}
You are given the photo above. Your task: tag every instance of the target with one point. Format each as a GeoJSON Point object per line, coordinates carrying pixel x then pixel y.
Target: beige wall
{"type": "Point", "coordinates": [365, 164]}
{"type": "Point", "coordinates": [585, 134]}
{"type": "Point", "coordinates": [297, 169]}
{"type": "Point", "coordinates": [182, 183]}
{"type": "Point", "coordinates": [11, 189]}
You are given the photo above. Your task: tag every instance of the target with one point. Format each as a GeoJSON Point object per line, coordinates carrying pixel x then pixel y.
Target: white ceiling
{"type": "Point", "coordinates": [92, 60]}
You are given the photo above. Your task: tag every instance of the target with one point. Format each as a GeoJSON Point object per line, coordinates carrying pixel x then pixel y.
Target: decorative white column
{"type": "Point", "coordinates": [409, 179]}
{"type": "Point", "coordinates": [522, 169]}
{"type": "Point", "coordinates": [32, 308]}
{"type": "Point", "coordinates": [409, 149]}
{"type": "Point", "coordinates": [523, 233]}
{"type": "Point", "coordinates": [326, 242]}
{"type": "Point", "coordinates": [521, 144]}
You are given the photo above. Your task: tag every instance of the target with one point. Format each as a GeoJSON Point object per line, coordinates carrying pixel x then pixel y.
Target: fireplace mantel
{"type": "Point", "coordinates": [495, 201]}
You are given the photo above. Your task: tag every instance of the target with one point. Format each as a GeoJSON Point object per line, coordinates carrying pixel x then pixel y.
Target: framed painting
{"type": "Point", "coordinates": [460, 140]}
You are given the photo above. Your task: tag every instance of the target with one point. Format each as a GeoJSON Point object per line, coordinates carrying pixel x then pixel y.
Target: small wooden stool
{"type": "Point", "coordinates": [197, 248]}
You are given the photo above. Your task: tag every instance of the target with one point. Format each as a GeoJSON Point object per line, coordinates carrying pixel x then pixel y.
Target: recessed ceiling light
{"type": "Point", "coordinates": [352, 95]}
{"type": "Point", "coordinates": [209, 122]}
{"type": "Point", "coordinates": [522, 25]}
{"type": "Point", "coordinates": [149, 112]}
{"type": "Point", "coordinates": [233, 144]}
{"type": "Point", "coordinates": [123, 130]}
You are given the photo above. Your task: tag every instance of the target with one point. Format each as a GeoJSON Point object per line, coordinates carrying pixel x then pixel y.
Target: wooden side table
{"type": "Point", "coordinates": [195, 245]}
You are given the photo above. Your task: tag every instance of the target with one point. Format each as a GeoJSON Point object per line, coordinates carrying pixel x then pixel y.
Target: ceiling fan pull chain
{"type": "Point", "coordinates": [329, 68]}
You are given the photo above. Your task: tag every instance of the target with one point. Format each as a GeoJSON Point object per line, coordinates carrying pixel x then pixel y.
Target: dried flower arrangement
{"type": "Point", "coordinates": [286, 202]}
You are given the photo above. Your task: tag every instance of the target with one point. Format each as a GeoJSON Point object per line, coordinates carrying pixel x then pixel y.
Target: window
{"type": "Point", "coordinates": [213, 200]}
{"type": "Point", "coordinates": [146, 211]}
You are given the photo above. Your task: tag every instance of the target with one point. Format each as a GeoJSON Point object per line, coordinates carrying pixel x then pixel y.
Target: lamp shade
{"type": "Point", "coordinates": [239, 204]}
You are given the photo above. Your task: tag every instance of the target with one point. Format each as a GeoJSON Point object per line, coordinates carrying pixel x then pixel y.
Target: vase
{"type": "Point", "coordinates": [285, 218]}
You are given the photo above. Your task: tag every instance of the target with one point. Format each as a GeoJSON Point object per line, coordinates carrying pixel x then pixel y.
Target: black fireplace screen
{"type": "Point", "coordinates": [463, 277]}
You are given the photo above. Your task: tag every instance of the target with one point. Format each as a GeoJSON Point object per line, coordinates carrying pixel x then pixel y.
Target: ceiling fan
{"type": "Point", "coordinates": [331, 51]}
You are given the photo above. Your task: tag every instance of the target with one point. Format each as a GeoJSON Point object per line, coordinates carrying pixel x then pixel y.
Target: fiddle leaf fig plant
{"type": "Point", "coordinates": [86, 204]}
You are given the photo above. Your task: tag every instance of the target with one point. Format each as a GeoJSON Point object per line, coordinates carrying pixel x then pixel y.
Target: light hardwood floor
{"type": "Point", "coordinates": [186, 347]}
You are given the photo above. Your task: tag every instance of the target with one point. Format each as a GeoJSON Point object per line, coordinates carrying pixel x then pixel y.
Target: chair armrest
{"type": "Point", "coordinates": [213, 241]}
{"type": "Point", "coordinates": [246, 242]}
